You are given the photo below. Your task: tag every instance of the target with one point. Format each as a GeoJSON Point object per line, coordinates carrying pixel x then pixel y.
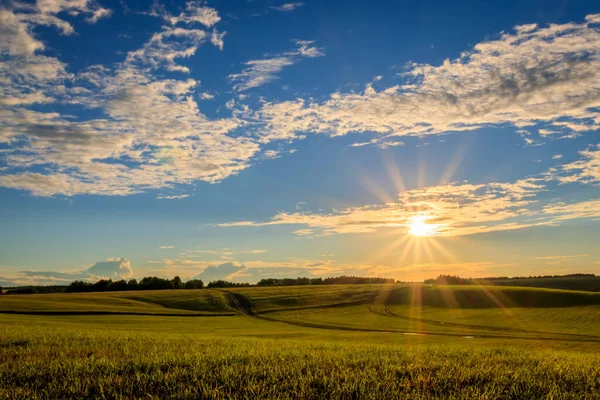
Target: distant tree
{"type": "Point", "coordinates": [22, 290]}
{"type": "Point", "coordinates": [132, 284]}
{"type": "Point", "coordinates": [119, 286]}
{"type": "Point", "coordinates": [226, 284]}
{"type": "Point", "coordinates": [102, 285]}
{"type": "Point", "coordinates": [1, 290]}
{"type": "Point", "coordinates": [268, 282]}
{"type": "Point", "coordinates": [177, 284]}
{"type": "Point", "coordinates": [79, 286]}
{"type": "Point", "coordinates": [155, 283]}
{"type": "Point", "coordinates": [452, 280]}
{"type": "Point", "coordinates": [194, 284]}
{"type": "Point", "coordinates": [321, 281]}
{"type": "Point", "coordinates": [355, 280]}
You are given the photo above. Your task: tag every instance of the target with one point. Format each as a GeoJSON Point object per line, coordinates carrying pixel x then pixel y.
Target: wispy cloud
{"type": "Point", "coordinates": [174, 197]}
{"type": "Point", "coordinates": [586, 170]}
{"type": "Point", "coordinates": [260, 72]}
{"type": "Point", "coordinates": [195, 12]}
{"type": "Point", "coordinates": [288, 7]}
{"type": "Point", "coordinates": [553, 260]}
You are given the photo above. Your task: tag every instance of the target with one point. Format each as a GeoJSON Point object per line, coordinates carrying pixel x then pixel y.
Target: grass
{"type": "Point", "coordinates": [276, 298]}
{"type": "Point", "coordinates": [303, 342]}
{"type": "Point", "coordinates": [587, 283]}
{"type": "Point", "coordinates": [473, 296]}
{"type": "Point", "coordinates": [138, 302]}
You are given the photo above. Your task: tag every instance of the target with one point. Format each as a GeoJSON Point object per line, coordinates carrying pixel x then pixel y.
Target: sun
{"type": "Point", "coordinates": [418, 227]}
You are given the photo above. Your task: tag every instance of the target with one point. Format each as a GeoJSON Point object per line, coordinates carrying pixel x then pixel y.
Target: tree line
{"type": "Point", "coordinates": [338, 280]}
{"type": "Point", "coordinates": [156, 283]}
{"type": "Point", "coordinates": [457, 280]}
{"type": "Point", "coordinates": [33, 289]}
{"type": "Point", "coordinates": [147, 283]}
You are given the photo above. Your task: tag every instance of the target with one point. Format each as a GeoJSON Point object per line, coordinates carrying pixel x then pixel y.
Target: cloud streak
{"type": "Point", "coordinates": [288, 7]}
{"type": "Point", "coordinates": [261, 72]}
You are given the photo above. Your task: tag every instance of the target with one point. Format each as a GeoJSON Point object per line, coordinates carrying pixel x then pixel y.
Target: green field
{"type": "Point", "coordinates": [339, 341]}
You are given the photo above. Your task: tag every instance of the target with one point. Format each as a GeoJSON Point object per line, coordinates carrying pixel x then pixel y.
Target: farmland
{"type": "Point", "coordinates": [341, 341]}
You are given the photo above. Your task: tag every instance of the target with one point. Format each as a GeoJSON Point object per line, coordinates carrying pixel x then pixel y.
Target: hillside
{"type": "Point", "coordinates": [585, 283]}
{"type": "Point", "coordinates": [163, 302]}
{"type": "Point", "coordinates": [483, 311]}
{"type": "Point", "coordinates": [269, 299]}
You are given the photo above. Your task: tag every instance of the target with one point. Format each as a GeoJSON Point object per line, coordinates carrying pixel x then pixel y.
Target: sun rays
{"type": "Point", "coordinates": [419, 227]}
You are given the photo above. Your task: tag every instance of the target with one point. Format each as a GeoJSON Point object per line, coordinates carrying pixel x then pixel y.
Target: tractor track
{"type": "Point", "coordinates": [239, 302]}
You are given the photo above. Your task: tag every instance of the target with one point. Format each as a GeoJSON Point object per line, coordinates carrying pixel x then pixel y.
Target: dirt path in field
{"type": "Point", "coordinates": [239, 302]}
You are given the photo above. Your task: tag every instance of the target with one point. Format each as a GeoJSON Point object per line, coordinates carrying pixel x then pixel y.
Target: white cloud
{"type": "Point", "coordinates": [151, 133]}
{"type": "Point", "coordinates": [260, 72]}
{"type": "Point", "coordinates": [206, 96]}
{"type": "Point", "coordinates": [116, 268]}
{"type": "Point", "coordinates": [562, 211]}
{"type": "Point", "coordinates": [99, 14]}
{"type": "Point", "coordinates": [288, 7]}
{"type": "Point", "coordinates": [530, 76]}
{"type": "Point", "coordinates": [546, 132]}
{"type": "Point", "coordinates": [148, 131]}
{"type": "Point", "coordinates": [164, 47]}
{"type": "Point", "coordinates": [74, 7]}
{"type": "Point", "coordinates": [592, 125]}
{"type": "Point", "coordinates": [195, 12]}
{"type": "Point", "coordinates": [307, 49]}
{"type": "Point", "coordinates": [174, 197]}
{"type": "Point", "coordinates": [271, 154]}
{"type": "Point", "coordinates": [586, 170]}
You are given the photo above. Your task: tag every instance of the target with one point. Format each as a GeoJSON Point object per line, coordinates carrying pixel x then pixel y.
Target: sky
{"type": "Point", "coordinates": [242, 140]}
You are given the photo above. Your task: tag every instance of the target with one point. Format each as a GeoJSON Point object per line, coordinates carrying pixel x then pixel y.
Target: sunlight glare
{"type": "Point", "coordinates": [419, 227]}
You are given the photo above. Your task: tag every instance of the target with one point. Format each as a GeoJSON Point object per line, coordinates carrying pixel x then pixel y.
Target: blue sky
{"type": "Point", "coordinates": [270, 139]}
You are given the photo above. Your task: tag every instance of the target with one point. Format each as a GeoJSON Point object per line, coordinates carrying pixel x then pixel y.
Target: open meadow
{"type": "Point", "coordinates": [339, 341]}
